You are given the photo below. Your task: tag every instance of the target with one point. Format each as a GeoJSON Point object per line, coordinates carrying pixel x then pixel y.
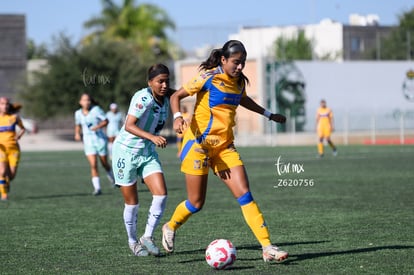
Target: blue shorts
{"type": "Point", "coordinates": [127, 167]}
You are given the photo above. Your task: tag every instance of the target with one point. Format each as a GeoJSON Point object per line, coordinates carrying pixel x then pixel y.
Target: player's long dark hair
{"type": "Point", "coordinates": [229, 48]}
{"type": "Point", "coordinates": [93, 101]}
{"type": "Point", "coordinates": [14, 108]}
{"type": "Point", "coordinates": [11, 108]}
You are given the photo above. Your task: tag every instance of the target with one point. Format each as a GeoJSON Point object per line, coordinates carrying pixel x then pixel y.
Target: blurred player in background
{"type": "Point", "coordinates": [9, 146]}
{"type": "Point", "coordinates": [325, 126]}
{"type": "Point", "coordinates": [220, 88]}
{"type": "Point", "coordinates": [134, 156]}
{"type": "Point", "coordinates": [114, 125]}
{"type": "Point", "coordinates": [90, 120]}
{"type": "Point", "coordinates": [187, 117]}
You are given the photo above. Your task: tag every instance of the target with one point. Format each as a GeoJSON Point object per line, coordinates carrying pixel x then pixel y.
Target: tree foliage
{"type": "Point", "coordinates": [400, 43]}
{"type": "Point", "coordinates": [297, 48]}
{"type": "Point", "coordinates": [144, 25]}
{"type": "Point", "coordinates": [110, 71]}
{"type": "Point", "coordinates": [35, 51]}
{"type": "Point", "coordinates": [111, 63]}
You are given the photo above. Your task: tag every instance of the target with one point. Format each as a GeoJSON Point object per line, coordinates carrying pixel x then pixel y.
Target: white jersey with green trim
{"type": "Point", "coordinates": [114, 123]}
{"type": "Point", "coordinates": [93, 118]}
{"type": "Point", "coordinates": [151, 118]}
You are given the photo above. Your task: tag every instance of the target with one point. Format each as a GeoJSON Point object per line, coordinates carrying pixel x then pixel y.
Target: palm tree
{"type": "Point", "coordinates": [144, 25]}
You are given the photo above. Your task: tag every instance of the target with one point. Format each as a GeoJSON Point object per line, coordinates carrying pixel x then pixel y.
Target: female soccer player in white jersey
{"type": "Point", "coordinates": [90, 120]}
{"type": "Point", "coordinates": [134, 155]}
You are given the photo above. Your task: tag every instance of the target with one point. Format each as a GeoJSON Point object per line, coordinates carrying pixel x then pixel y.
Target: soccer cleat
{"type": "Point", "coordinates": [4, 197]}
{"type": "Point", "coordinates": [138, 249]}
{"type": "Point", "coordinates": [97, 192]}
{"type": "Point", "coordinates": [335, 153]}
{"type": "Point", "coordinates": [273, 253]}
{"type": "Point", "coordinates": [168, 236]}
{"type": "Point", "coordinates": [149, 244]}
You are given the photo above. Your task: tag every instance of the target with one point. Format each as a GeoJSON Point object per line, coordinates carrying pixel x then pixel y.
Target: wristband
{"type": "Point", "coordinates": [267, 114]}
{"type": "Point", "coordinates": [177, 115]}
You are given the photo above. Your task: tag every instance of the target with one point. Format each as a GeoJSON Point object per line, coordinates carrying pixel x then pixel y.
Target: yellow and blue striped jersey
{"type": "Point", "coordinates": [324, 116]}
{"type": "Point", "coordinates": [217, 97]}
{"type": "Point", "coordinates": [8, 125]}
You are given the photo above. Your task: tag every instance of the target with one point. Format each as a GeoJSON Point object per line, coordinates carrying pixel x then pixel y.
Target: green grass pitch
{"type": "Point", "coordinates": [349, 214]}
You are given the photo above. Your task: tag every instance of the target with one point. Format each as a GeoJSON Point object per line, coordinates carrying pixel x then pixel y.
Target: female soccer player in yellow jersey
{"type": "Point", "coordinates": [9, 146]}
{"type": "Point", "coordinates": [324, 124]}
{"type": "Point", "coordinates": [208, 142]}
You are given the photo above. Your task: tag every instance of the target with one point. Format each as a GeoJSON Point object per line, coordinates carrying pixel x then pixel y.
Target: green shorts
{"type": "Point", "coordinates": [127, 167]}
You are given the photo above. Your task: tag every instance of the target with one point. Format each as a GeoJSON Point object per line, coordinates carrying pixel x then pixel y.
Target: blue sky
{"type": "Point", "coordinates": [201, 22]}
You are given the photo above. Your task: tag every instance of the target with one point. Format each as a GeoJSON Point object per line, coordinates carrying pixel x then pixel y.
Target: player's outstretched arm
{"type": "Point", "coordinates": [251, 105]}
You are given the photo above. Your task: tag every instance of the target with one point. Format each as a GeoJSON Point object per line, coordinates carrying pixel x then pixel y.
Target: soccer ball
{"type": "Point", "coordinates": [220, 254]}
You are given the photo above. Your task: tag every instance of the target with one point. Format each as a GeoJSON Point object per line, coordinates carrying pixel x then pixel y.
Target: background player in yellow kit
{"type": "Point", "coordinates": [9, 146]}
{"type": "Point", "coordinates": [208, 142]}
{"type": "Point", "coordinates": [325, 126]}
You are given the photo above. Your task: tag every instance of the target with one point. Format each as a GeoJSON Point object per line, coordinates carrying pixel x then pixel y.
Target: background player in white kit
{"type": "Point", "coordinates": [134, 156]}
{"type": "Point", "coordinates": [90, 120]}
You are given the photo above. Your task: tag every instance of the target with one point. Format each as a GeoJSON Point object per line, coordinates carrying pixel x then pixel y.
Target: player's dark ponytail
{"type": "Point", "coordinates": [229, 48]}
{"type": "Point", "coordinates": [213, 60]}
{"type": "Point", "coordinates": [11, 108]}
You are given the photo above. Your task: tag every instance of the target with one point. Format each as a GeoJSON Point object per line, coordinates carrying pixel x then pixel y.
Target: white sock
{"type": "Point", "coordinates": [96, 183]}
{"type": "Point", "coordinates": [155, 214]}
{"type": "Point", "coordinates": [130, 220]}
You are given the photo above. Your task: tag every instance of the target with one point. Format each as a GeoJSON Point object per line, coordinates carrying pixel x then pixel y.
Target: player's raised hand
{"type": "Point", "coordinates": [278, 118]}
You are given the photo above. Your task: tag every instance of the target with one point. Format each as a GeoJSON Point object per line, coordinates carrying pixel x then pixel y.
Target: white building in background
{"type": "Point", "coordinates": [331, 40]}
{"type": "Point", "coordinates": [360, 20]}
{"type": "Point", "coordinates": [327, 38]}
{"type": "Point", "coordinates": [370, 99]}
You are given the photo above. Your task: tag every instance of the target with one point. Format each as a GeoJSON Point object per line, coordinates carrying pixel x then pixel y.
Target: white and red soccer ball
{"type": "Point", "coordinates": [220, 254]}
